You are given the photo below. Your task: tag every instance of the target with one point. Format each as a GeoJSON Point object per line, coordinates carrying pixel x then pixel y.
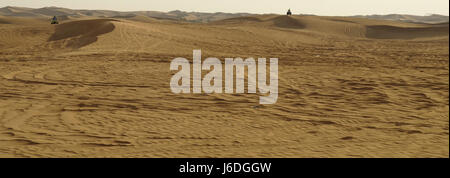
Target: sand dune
{"type": "Point", "coordinates": [287, 22]}
{"type": "Point", "coordinates": [77, 34]}
{"type": "Point", "coordinates": [23, 20]}
{"type": "Point", "coordinates": [348, 87]}
{"type": "Point", "coordinates": [393, 32]}
{"type": "Point", "coordinates": [433, 18]}
{"type": "Point", "coordinates": [64, 12]}
{"type": "Point", "coordinates": [350, 27]}
{"type": "Point", "coordinates": [4, 20]}
{"type": "Point", "coordinates": [178, 15]}
{"type": "Point", "coordinates": [22, 33]}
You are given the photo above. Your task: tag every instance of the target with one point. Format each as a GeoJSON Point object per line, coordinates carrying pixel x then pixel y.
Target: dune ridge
{"type": "Point", "coordinates": [77, 34]}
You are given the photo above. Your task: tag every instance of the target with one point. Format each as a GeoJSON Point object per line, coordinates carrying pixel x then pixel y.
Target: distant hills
{"type": "Point", "coordinates": [70, 13]}
{"type": "Point", "coordinates": [65, 13]}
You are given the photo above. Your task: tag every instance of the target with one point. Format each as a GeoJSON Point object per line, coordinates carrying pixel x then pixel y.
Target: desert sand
{"type": "Point", "coordinates": [348, 87]}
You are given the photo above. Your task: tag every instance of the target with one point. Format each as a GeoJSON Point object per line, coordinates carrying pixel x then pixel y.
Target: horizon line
{"type": "Point", "coordinates": [427, 14]}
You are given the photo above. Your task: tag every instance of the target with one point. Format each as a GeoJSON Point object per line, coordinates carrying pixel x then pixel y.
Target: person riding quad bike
{"type": "Point", "coordinates": [54, 20]}
{"type": "Point", "coordinates": [289, 12]}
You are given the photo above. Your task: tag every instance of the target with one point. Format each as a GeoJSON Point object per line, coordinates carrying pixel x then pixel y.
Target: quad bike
{"type": "Point", "coordinates": [289, 13]}
{"type": "Point", "coordinates": [54, 20]}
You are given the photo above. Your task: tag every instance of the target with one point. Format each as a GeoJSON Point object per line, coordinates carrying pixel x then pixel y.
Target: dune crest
{"type": "Point", "coordinates": [288, 22]}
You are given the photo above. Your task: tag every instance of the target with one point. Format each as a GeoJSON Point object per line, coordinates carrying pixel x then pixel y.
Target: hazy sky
{"type": "Point", "coordinates": [318, 7]}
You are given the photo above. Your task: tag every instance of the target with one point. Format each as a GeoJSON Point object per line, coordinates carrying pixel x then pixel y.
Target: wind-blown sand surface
{"type": "Point", "coordinates": [348, 87]}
